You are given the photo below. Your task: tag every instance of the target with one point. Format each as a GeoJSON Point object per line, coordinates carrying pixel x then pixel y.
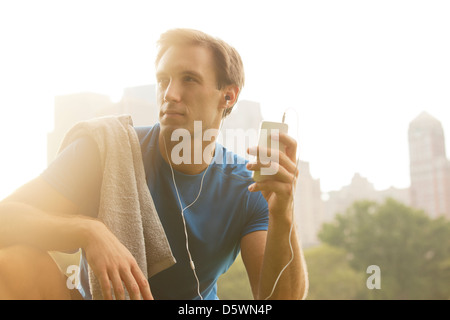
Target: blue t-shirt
{"type": "Point", "coordinates": [224, 212]}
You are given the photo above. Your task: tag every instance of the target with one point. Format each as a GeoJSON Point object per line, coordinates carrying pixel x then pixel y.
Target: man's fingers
{"type": "Point", "coordinates": [273, 171]}
{"type": "Point", "coordinates": [142, 283]}
{"type": "Point", "coordinates": [106, 286]}
{"type": "Point", "coordinates": [119, 291]}
{"type": "Point", "coordinates": [268, 186]}
{"type": "Point", "coordinates": [290, 145]}
{"type": "Point", "coordinates": [131, 285]}
{"type": "Point", "coordinates": [267, 156]}
{"type": "Point", "coordinates": [134, 280]}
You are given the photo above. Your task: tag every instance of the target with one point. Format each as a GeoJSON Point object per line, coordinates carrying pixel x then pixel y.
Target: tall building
{"type": "Point", "coordinates": [359, 189]}
{"type": "Point", "coordinates": [72, 108]}
{"type": "Point", "coordinates": [139, 102]}
{"type": "Point", "coordinates": [429, 166]}
{"type": "Point", "coordinates": [308, 206]}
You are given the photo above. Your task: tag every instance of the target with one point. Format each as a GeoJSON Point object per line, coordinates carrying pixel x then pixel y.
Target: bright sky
{"type": "Point", "coordinates": [357, 72]}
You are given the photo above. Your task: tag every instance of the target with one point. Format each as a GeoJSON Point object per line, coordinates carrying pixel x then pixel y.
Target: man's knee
{"type": "Point", "coordinates": [30, 273]}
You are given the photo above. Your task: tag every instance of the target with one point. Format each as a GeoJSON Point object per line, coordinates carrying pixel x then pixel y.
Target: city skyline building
{"type": "Point", "coordinates": [138, 101]}
{"type": "Point", "coordinates": [429, 166]}
{"type": "Point", "coordinates": [360, 188]}
{"type": "Point", "coordinates": [308, 206]}
{"type": "Point", "coordinates": [429, 173]}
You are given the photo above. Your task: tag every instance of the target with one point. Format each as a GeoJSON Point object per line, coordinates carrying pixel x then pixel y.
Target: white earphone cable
{"type": "Point", "coordinates": [292, 218]}
{"type": "Point", "coordinates": [191, 262]}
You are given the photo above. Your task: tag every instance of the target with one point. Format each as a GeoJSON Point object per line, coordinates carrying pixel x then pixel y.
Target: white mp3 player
{"type": "Point", "coordinates": [267, 129]}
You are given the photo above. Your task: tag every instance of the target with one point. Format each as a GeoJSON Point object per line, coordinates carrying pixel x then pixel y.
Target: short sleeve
{"type": "Point", "coordinates": [258, 213]}
{"type": "Point", "coordinates": [76, 173]}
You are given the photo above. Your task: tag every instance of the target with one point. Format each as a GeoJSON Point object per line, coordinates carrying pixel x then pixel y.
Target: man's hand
{"type": "Point", "coordinates": [113, 264]}
{"type": "Point", "coordinates": [277, 188]}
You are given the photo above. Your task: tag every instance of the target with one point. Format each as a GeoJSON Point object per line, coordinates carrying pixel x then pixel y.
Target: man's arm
{"type": "Point", "coordinates": [265, 254]}
{"type": "Point", "coordinates": [37, 214]}
{"type": "Point", "coordinates": [264, 259]}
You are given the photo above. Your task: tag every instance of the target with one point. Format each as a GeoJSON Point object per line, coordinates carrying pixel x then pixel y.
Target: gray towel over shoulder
{"type": "Point", "coordinates": [126, 206]}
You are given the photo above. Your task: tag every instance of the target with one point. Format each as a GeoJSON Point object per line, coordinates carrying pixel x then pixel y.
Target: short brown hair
{"type": "Point", "coordinates": [229, 66]}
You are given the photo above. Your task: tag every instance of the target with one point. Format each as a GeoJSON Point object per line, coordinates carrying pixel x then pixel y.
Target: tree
{"type": "Point", "coordinates": [411, 249]}
{"type": "Point", "coordinates": [331, 277]}
{"type": "Point", "coordinates": [234, 284]}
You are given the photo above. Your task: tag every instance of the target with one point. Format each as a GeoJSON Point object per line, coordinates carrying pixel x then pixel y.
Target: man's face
{"type": "Point", "coordinates": [187, 89]}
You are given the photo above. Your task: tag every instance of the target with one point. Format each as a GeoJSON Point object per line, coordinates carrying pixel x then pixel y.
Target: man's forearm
{"type": "Point", "coordinates": [23, 224]}
{"type": "Point", "coordinates": [293, 282]}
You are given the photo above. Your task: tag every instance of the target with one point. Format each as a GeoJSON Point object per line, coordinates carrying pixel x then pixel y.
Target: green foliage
{"type": "Point", "coordinates": [331, 277]}
{"type": "Point", "coordinates": [234, 284]}
{"type": "Point", "coordinates": [411, 249]}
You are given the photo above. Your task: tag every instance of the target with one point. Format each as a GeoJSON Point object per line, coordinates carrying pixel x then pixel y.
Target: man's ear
{"type": "Point", "coordinates": [230, 95]}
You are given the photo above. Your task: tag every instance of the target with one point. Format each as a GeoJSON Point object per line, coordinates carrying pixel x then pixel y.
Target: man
{"type": "Point", "coordinates": [210, 209]}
